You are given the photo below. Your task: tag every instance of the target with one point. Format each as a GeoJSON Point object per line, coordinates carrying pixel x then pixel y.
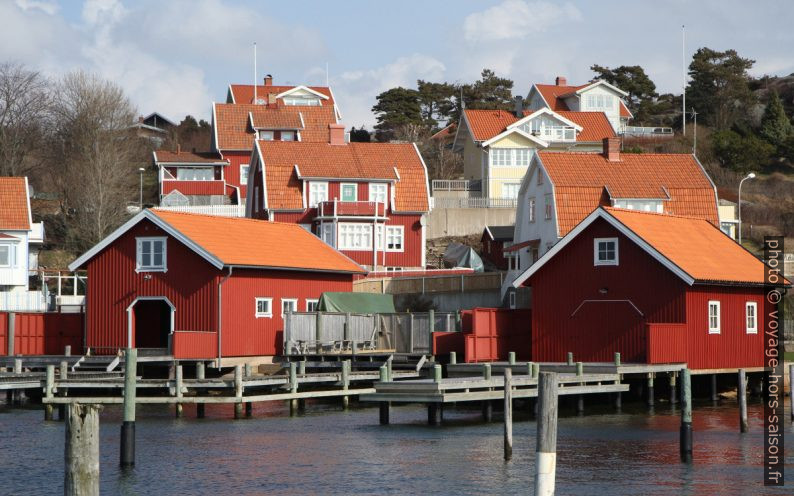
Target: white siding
{"type": "Point", "coordinates": [15, 277]}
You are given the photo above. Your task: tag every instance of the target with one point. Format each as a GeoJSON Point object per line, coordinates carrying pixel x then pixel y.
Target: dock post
{"type": "Point", "coordinates": [178, 391]}
{"type": "Point", "coordinates": [434, 410]}
{"type": "Point", "coordinates": [301, 371]}
{"type": "Point", "coordinates": [580, 397]}
{"type": "Point", "coordinates": [617, 359]}
{"type": "Point", "coordinates": [619, 396]}
{"type": "Point", "coordinates": [673, 395]}
{"type": "Point", "coordinates": [546, 450]}
{"type": "Point", "coordinates": [535, 370]}
{"type": "Point", "coordinates": [293, 387]}
{"type": "Point", "coordinates": [741, 389]}
{"type": "Point", "coordinates": [650, 397]}
{"type": "Point", "coordinates": [49, 386]}
{"type": "Point", "coordinates": [62, 371]}
{"type": "Point", "coordinates": [10, 341]}
{"type": "Point", "coordinates": [67, 350]}
{"type": "Point", "coordinates": [127, 455]}
{"type": "Point", "coordinates": [200, 376]}
{"type": "Point", "coordinates": [388, 367]}
{"type": "Point", "coordinates": [18, 396]}
{"type": "Point", "coordinates": [791, 389]}
{"type": "Point", "coordinates": [508, 413]}
{"type": "Point", "coordinates": [81, 455]}
{"type": "Point", "coordinates": [486, 371]}
{"type": "Point", "coordinates": [453, 358]}
{"type": "Point", "coordinates": [238, 391]}
{"type": "Point", "coordinates": [714, 397]}
{"type": "Point", "coordinates": [570, 358]}
{"type": "Point", "coordinates": [345, 382]}
{"type": "Point", "coordinates": [511, 357]}
{"type": "Point", "coordinates": [487, 407]}
{"type": "Point", "coordinates": [384, 405]}
{"type": "Point", "coordinates": [686, 416]}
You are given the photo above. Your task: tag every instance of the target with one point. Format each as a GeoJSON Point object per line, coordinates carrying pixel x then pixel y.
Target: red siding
{"type": "Point", "coordinates": [667, 343]}
{"type": "Point", "coordinates": [192, 344]}
{"type": "Point", "coordinates": [494, 251]}
{"type": "Point", "coordinates": [232, 171]}
{"type": "Point", "coordinates": [195, 187]}
{"type": "Point", "coordinates": [43, 333]}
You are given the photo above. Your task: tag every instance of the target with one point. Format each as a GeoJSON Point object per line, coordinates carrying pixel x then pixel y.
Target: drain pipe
{"type": "Point", "coordinates": [220, 311]}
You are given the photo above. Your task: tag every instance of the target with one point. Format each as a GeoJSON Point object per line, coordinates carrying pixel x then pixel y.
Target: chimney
{"type": "Point", "coordinates": [268, 80]}
{"type": "Point", "coordinates": [337, 134]}
{"type": "Point", "coordinates": [519, 107]}
{"type": "Point", "coordinates": [271, 99]}
{"type": "Point", "coordinates": [612, 149]}
{"type": "Point", "coordinates": [561, 81]}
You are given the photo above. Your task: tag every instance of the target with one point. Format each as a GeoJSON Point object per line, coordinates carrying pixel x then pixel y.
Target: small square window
{"type": "Point", "coordinates": [151, 254]}
{"type": "Point", "coordinates": [288, 305]}
{"type": "Point", "coordinates": [266, 135]}
{"type": "Point", "coordinates": [751, 317]}
{"type": "Point", "coordinates": [264, 307]}
{"type": "Point", "coordinates": [605, 251]}
{"type": "Point", "coordinates": [287, 135]}
{"type": "Point", "coordinates": [311, 305]}
{"type": "Point", "coordinates": [714, 317]}
{"type": "Point", "coordinates": [349, 192]}
{"type": "Point", "coordinates": [243, 174]}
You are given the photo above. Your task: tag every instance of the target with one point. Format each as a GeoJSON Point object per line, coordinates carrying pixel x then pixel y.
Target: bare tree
{"type": "Point", "coordinates": [24, 103]}
{"type": "Point", "coordinates": [94, 164]}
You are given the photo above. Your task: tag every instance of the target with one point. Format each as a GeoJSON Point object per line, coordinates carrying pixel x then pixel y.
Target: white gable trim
{"type": "Point", "coordinates": [535, 89]}
{"type": "Point", "coordinates": [601, 82]}
{"type": "Point", "coordinates": [427, 179]}
{"type": "Point", "coordinates": [215, 127]}
{"type": "Point", "coordinates": [27, 201]}
{"type": "Point", "coordinates": [231, 93]}
{"type": "Point", "coordinates": [337, 112]}
{"type": "Point", "coordinates": [603, 214]}
{"type": "Point", "coordinates": [547, 111]}
{"type": "Point", "coordinates": [154, 219]}
{"type": "Point", "coordinates": [301, 88]}
{"type": "Point", "coordinates": [507, 132]}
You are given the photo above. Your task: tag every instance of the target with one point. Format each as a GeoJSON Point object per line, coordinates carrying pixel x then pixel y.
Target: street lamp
{"type": "Point", "coordinates": [748, 176]}
{"type": "Point", "coordinates": [140, 194]}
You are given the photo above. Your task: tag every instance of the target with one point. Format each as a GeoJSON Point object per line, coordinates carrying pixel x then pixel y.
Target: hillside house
{"type": "Point", "coordinates": [154, 127]}
{"type": "Point", "coordinates": [192, 178]}
{"type": "Point", "coordinates": [204, 287]}
{"type": "Point", "coordinates": [20, 237]}
{"type": "Point", "coordinates": [495, 239]}
{"type": "Point", "coordinates": [368, 200]}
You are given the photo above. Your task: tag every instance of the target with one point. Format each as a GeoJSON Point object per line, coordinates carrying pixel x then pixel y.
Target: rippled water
{"type": "Point", "coordinates": [329, 451]}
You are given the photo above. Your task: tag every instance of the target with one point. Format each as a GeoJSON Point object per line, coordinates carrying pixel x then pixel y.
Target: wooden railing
{"type": "Point", "coordinates": [459, 283]}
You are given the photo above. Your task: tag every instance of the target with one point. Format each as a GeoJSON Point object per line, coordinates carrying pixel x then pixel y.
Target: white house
{"type": "Point", "coordinates": [598, 96]}
{"type": "Point", "coordinates": [20, 237]}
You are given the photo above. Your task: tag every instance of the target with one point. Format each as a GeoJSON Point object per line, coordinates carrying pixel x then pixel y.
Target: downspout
{"type": "Point", "coordinates": [220, 311]}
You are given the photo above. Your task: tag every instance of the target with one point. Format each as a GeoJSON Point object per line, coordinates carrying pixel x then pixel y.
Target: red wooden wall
{"type": "Point", "coordinates": [232, 171]}
{"type": "Point", "coordinates": [43, 333]}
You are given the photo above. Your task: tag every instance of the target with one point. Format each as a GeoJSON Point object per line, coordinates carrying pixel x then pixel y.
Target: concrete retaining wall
{"type": "Point", "coordinates": [466, 221]}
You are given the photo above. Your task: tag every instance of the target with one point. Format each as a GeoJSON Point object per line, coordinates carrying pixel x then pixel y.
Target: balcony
{"type": "Point", "coordinates": [360, 209]}
{"type": "Point", "coordinates": [193, 187]}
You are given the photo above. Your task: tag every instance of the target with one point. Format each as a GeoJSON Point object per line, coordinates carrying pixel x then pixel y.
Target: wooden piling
{"type": "Point", "coordinates": [511, 357]}
{"type": "Point", "coordinates": [345, 382]}
{"type": "Point", "coordinates": [546, 450]}
{"type": "Point", "coordinates": [486, 371]}
{"type": "Point", "coordinates": [178, 391]}
{"type": "Point", "coordinates": [388, 368]}
{"type": "Point", "coordinates": [535, 370]}
{"type": "Point", "coordinates": [127, 451]}
{"type": "Point", "coordinates": [453, 358]}
{"type": "Point", "coordinates": [673, 395]}
{"type": "Point", "coordinates": [67, 350]}
{"type": "Point", "coordinates": [48, 388]}
{"type": "Point", "coordinates": [302, 367]}
{"type": "Point", "coordinates": [487, 411]}
{"type": "Point", "coordinates": [508, 445]}
{"type": "Point", "coordinates": [238, 390]}
{"type": "Point", "coordinates": [580, 397]}
{"type": "Point", "coordinates": [686, 416]}
{"type": "Point", "coordinates": [81, 474]}
{"type": "Point", "coordinates": [649, 390]}
{"type": "Point", "coordinates": [570, 358]}
{"type": "Point", "coordinates": [62, 375]}
{"type": "Point", "coordinates": [713, 378]}
{"type": "Point", "coordinates": [200, 407]}
{"type": "Point", "coordinates": [741, 390]}
{"type": "Point", "coordinates": [791, 389]}
{"type": "Point", "coordinates": [617, 359]}
{"type": "Point", "coordinates": [384, 405]}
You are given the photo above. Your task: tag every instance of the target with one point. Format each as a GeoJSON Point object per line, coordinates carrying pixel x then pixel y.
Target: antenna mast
{"type": "Point", "coordinates": [254, 73]}
{"type": "Point", "coordinates": [326, 76]}
{"type": "Point", "coordinates": [683, 71]}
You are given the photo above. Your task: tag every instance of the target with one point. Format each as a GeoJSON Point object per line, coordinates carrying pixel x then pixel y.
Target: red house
{"type": "Point", "coordinates": [368, 200]}
{"type": "Point", "coordinates": [494, 241]}
{"type": "Point", "coordinates": [204, 287]}
{"type": "Point", "coordinates": [657, 288]}
{"type": "Point", "coordinates": [193, 178]}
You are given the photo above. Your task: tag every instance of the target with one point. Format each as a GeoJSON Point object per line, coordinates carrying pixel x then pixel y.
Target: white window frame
{"type": "Point", "coordinates": [11, 253]}
{"type": "Point", "coordinates": [267, 135]}
{"type": "Point", "coordinates": [754, 328]}
{"type": "Point", "coordinates": [540, 176]}
{"type": "Point", "coordinates": [714, 304]}
{"type": "Point", "coordinates": [289, 133]}
{"type": "Point", "coordinates": [375, 194]}
{"type": "Point", "coordinates": [532, 205]}
{"type": "Point", "coordinates": [549, 207]}
{"type": "Point", "coordinates": [516, 186]}
{"type": "Point", "coordinates": [347, 233]}
{"type": "Point", "coordinates": [342, 189]}
{"type": "Point", "coordinates": [139, 267]}
{"type": "Point", "coordinates": [294, 302]}
{"type": "Point", "coordinates": [328, 234]}
{"type": "Point", "coordinates": [390, 232]}
{"type": "Point", "coordinates": [310, 301]}
{"type": "Point", "coordinates": [512, 300]}
{"type": "Point", "coordinates": [263, 315]}
{"type": "Point", "coordinates": [247, 168]}
{"type": "Point", "coordinates": [510, 157]}
{"type": "Point", "coordinates": [319, 195]}
{"type": "Point", "coordinates": [596, 260]}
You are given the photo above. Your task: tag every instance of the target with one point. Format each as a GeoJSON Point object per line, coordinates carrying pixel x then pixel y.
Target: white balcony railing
{"type": "Point", "coordinates": [219, 210]}
{"type": "Point", "coordinates": [456, 185]}
{"type": "Point", "coordinates": [647, 131]}
{"type": "Point", "coordinates": [437, 202]}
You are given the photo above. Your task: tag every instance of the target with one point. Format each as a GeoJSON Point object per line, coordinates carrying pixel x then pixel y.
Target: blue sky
{"type": "Point", "coordinates": [178, 56]}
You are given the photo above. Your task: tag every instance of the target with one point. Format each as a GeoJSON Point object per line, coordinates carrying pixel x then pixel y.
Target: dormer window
{"type": "Point", "coordinates": [266, 135]}
{"type": "Point", "coordinates": [599, 101]}
{"type": "Point", "coordinates": [302, 101]}
{"type": "Point", "coordinates": [287, 135]}
{"type": "Point", "coordinates": [151, 254]}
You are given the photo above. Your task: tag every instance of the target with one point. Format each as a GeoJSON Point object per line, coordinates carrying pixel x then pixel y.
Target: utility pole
{"type": "Point", "coordinates": [683, 70]}
{"type": "Point", "coordinates": [140, 192]}
{"type": "Point", "coordinates": [695, 132]}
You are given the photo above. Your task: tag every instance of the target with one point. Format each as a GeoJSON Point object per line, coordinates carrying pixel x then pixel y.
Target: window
{"type": "Point", "coordinates": [302, 101]}
{"type": "Point", "coordinates": [599, 101]}
{"type": "Point", "coordinates": [349, 192]}
{"type": "Point", "coordinates": [540, 177]}
{"type": "Point", "coordinates": [318, 192]}
{"type": "Point", "coordinates": [287, 135]}
{"type": "Point", "coordinates": [195, 174]}
{"type": "Point", "coordinates": [6, 252]}
{"type": "Point", "coordinates": [243, 173]}
{"type": "Point", "coordinates": [512, 299]}
{"type": "Point", "coordinates": [327, 233]}
{"type": "Point", "coordinates": [510, 190]}
{"type": "Point", "coordinates": [394, 238]}
{"type": "Point", "coordinates": [714, 317]}
{"type": "Point", "coordinates": [532, 210]}
{"type": "Point", "coordinates": [266, 135]}
{"type": "Point", "coordinates": [751, 317]}
{"type": "Point", "coordinates": [263, 308]}
{"type": "Point", "coordinates": [151, 255]}
{"type": "Point", "coordinates": [605, 251]}
{"type": "Point", "coordinates": [549, 207]}
{"type": "Point", "coordinates": [288, 305]}
{"type": "Point", "coordinates": [510, 157]}
{"type": "Point", "coordinates": [311, 305]}
{"type": "Point", "coordinates": [378, 192]}
{"type": "Point", "coordinates": [355, 236]}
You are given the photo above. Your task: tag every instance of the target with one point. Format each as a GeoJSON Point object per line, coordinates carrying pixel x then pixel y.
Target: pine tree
{"type": "Point", "coordinates": [775, 125]}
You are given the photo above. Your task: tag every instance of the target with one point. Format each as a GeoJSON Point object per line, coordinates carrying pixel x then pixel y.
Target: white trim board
{"type": "Point", "coordinates": [509, 131]}
{"type": "Point", "coordinates": [303, 88]}
{"type": "Point", "coordinates": [546, 111]}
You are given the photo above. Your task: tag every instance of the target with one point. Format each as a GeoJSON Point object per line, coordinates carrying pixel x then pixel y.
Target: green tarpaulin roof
{"type": "Point", "coordinates": [356, 303]}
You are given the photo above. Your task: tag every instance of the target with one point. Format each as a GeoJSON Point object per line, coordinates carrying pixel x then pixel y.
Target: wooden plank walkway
{"type": "Point", "coordinates": [467, 369]}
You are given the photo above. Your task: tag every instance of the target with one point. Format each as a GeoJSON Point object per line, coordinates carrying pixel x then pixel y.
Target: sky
{"type": "Point", "coordinates": [178, 56]}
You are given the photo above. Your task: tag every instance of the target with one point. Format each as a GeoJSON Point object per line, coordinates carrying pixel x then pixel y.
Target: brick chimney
{"type": "Point", "coordinates": [268, 80]}
{"type": "Point", "coordinates": [561, 81]}
{"type": "Point", "coordinates": [337, 134]}
{"type": "Point", "coordinates": [612, 149]}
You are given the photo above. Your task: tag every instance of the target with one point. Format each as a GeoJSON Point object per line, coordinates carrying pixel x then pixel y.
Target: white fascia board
{"type": "Point", "coordinates": [547, 111]}
{"type": "Point", "coordinates": [427, 177]}
{"type": "Point", "coordinates": [463, 120]}
{"type": "Point", "coordinates": [535, 88]}
{"type": "Point", "coordinates": [601, 82]}
{"type": "Point", "coordinates": [215, 127]}
{"type": "Point", "coordinates": [231, 93]}
{"type": "Point", "coordinates": [603, 214]}
{"type": "Point", "coordinates": [528, 136]}
{"type": "Point", "coordinates": [714, 186]}
{"type": "Point", "coordinates": [304, 88]}
{"type": "Point", "coordinates": [27, 202]}
{"type": "Point", "coordinates": [264, 176]}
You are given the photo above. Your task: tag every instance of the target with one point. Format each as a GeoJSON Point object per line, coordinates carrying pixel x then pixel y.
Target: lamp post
{"type": "Point", "coordinates": [748, 176]}
{"type": "Point", "coordinates": [140, 193]}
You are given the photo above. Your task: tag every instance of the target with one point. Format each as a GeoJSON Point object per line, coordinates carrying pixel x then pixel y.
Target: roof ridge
{"type": "Point", "coordinates": [220, 217]}
{"type": "Point", "coordinates": [658, 214]}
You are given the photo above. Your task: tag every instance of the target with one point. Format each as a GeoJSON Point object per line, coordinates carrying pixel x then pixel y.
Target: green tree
{"type": "Point", "coordinates": [775, 125]}
{"type": "Point", "coordinates": [719, 87]}
{"type": "Point", "coordinates": [633, 80]}
{"type": "Point", "coordinates": [741, 153]}
{"type": "Point", "coordinates": [436, 101]}
{"type": "Point", "coordinates": [359, 135]}
{"type": "Point", "coordinates": [395, 108]}
{"type": "Point", "coordinates": [490, 92]}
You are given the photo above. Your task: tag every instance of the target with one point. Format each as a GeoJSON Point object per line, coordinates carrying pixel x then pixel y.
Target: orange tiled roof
{"type": "Point", "coordinates": [552, 93]}
{"type": "Point", "coordinates": [348, 161]}
{"type": "Point", "coordinates": [184, 157]}
{"type": "Point", "coordinates": [276, 118]}
{"type": "Point", "coordinates": [14, 206]}
{"type": "Point", "coordinates": [485, 124]}
{"type": "Point", "coordinates": [583, 181]}
{"type": "Point", "coordinates": [239, 241]}
{"type": "Point", "coordinates": [244, 93]}
{"type": "Point", "coordinates": [233, 127]}
{"type": "Point", "coordinates": [697, 247]}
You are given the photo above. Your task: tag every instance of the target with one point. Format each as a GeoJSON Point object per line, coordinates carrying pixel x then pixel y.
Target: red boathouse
{"type": "Point", "coordinates": [204, 287]}
{"type": "Point", "coordinates": [657, 288]}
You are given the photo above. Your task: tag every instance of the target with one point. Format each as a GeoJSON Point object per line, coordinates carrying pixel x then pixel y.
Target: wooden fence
{"type": "Point", "coordinates": [334, 333]}
{"type": "Point", "coordinates": [457, 283]}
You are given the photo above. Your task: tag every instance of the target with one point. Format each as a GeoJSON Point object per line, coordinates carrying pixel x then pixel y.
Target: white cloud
{"type": "Point", "coordinates": [48, 7]}
{"type": "Point", "coordinates": [516, 20]}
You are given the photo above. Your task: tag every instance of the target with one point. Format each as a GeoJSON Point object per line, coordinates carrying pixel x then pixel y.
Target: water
{"type": "Point", "coordinates": [329, 451]}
